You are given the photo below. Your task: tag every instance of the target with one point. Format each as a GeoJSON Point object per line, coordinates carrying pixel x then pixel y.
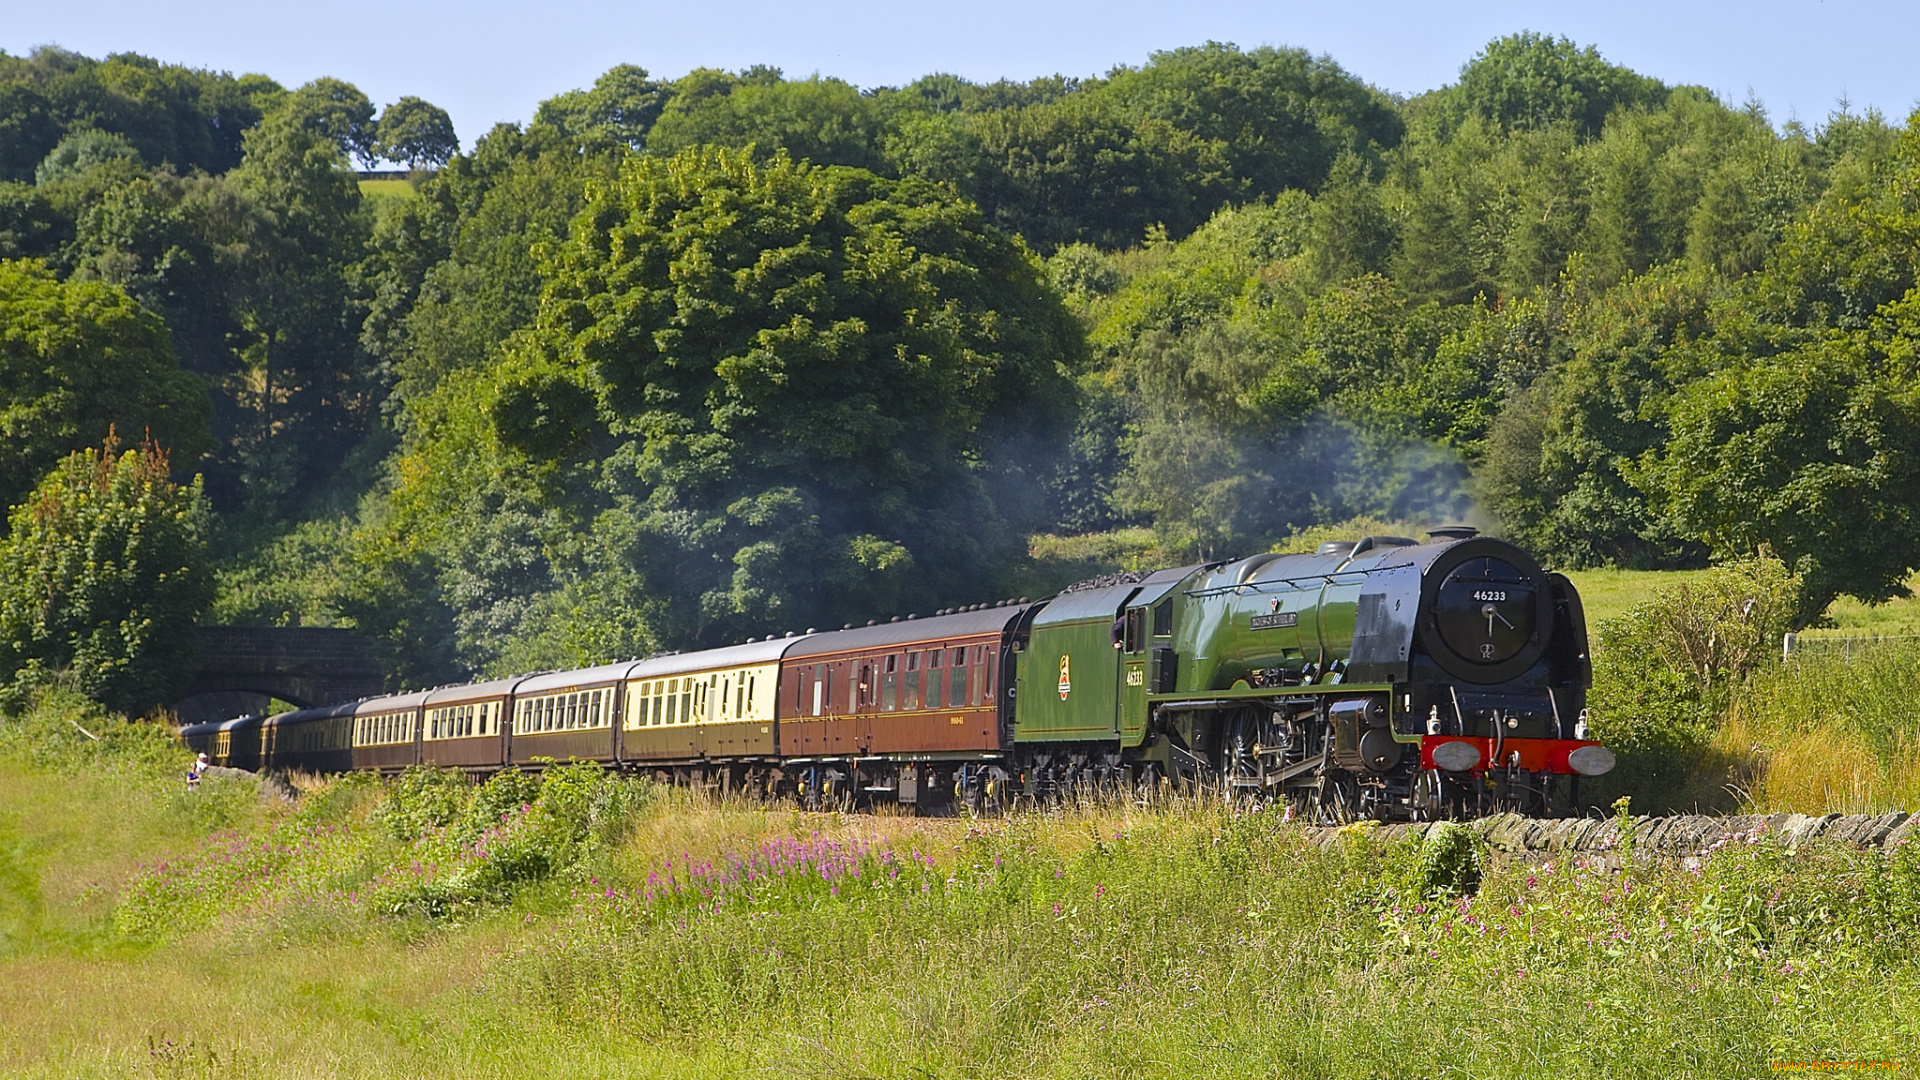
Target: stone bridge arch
{"type": "Point", "coordinates": [239, 669]}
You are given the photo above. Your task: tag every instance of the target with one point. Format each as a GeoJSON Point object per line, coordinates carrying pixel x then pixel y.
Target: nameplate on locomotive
{"type": "Point", "coordinates": [1274, 621]}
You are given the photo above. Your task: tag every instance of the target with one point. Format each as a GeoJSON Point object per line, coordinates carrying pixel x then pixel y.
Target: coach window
{"type": "Point", "coordinates": [957, 679]}
{"type": "Point", "coordinates": [911, 699]}
{"type": "Point", "coordinates": [889, 684]}
{"type": "Point", "coordinates": [686, 701]}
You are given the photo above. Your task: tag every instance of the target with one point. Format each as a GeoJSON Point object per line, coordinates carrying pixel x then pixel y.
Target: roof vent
{"type": "Point", "coordinates": [870, 622]}
{"type": "Point", "coordinates": [896, 618]}
{"type": "Point", "coordinates": [1336, 547]}
{"type": "Point", "coordinates": [1453, 532]}
{"type": "Point", "coordinates": [911, 615]}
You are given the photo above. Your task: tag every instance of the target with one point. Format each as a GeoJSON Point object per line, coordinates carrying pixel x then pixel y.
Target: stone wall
{"type": "Point", "coordinates": [1679, 836]}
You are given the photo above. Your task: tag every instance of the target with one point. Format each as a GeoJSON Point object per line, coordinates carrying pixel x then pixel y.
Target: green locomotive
{"type": "Point", "coordinates": [1381, 678]}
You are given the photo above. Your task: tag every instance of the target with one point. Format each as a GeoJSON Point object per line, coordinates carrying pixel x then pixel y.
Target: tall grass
{"type": "Point", "coordinates": [1829, 731]}
{"type": "Point", "coordinates": [583, 926]}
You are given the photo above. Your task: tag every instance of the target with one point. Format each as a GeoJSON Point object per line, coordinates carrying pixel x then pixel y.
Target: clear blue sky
{"type": "Point", "coordinates": [486, 61]}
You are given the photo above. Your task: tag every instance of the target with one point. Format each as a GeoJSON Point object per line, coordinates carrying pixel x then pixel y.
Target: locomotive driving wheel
{"type": "Point", "coordinates": [1239, 768]}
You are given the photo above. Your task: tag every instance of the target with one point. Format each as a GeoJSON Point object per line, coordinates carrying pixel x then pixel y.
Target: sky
{"type": "Point", "coordinates": [487, 61]}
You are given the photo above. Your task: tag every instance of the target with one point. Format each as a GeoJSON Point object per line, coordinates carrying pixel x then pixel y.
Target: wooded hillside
{"type": "Point", "coordinates": [684, 361]}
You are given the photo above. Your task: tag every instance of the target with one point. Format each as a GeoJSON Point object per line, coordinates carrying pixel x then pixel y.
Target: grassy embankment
{"type": "Point", "coordinates": [592, 927]}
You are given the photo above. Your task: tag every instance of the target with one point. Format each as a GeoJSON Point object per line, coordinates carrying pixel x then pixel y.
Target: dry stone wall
{"type": "Point", "coordinates": [1679, 836]}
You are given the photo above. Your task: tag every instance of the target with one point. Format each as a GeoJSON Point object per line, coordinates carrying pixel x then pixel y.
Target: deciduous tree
{"type": "Point", "coordinates": [102, 575]}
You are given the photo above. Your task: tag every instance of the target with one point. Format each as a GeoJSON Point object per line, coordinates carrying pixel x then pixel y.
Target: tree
{"type": "Point", "coordinates": [760, 396]}
{"type": "Point", "coordinates": [335, 110]}
{"type": "Point", "coordinates": [416, 132]}
{"type": "Point", "coordinates": [1815, 453]}
{"type": "Point", "coordinates": [81, 152]}
{"type": "Point", "coordinates": [188, 118]}
{"type": "Point", "coordinates": [78, 359]}
{"type": "Point", "coordinates": [295, 236]}
{"type": "Point", "coordinates": [102, 576]}
{"type": "Point", "coordinates": [621, 108]}
{"type": "Point", "coordinates": [824, 121]}
{"type": "Point", "coordinates": [1604, 408]}
{"type": "Point", "coordinates": [1532, 80]}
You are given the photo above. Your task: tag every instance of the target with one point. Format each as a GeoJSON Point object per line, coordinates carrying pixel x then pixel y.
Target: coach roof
{"type": "Point", "coordinates": [727, 656]}
{"type": "Point", "coordinates": [560, 682]}
{"type": "Point", "coordinates": [391, 703]}
{"type": "Point", "coordinates": [474, 691]}
{"type": "Point", "coordinates": [993, 620]}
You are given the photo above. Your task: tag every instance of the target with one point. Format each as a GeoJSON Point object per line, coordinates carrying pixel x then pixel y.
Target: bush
{"type": "Point", "coordinates": [1666, 672]}
{"type": "Point", "coordinates": [421, 800]}
{"type": "Point", "coordinates": [102, 577]}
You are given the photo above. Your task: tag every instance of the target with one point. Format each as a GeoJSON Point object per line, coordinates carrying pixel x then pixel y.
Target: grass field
{"type": "Point", "coordinates": [144, 933]}
{"type": "Point", "coordinates": [386, 189]}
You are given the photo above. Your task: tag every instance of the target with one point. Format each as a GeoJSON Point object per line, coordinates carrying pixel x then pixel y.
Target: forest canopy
{"type": "Point", "coordinates": [690, 359]}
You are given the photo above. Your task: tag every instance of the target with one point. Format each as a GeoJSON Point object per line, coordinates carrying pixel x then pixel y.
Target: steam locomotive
{"type": "Point", "coordinates": [1380, 678]}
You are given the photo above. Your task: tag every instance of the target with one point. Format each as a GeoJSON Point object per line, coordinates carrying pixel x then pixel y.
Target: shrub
{"type": "Point", "coordinates": [102, 576]}
{"type": "Point", "coordinates": [1666, 672]}
{"type": "Point", "coordinates": [421, 800]}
